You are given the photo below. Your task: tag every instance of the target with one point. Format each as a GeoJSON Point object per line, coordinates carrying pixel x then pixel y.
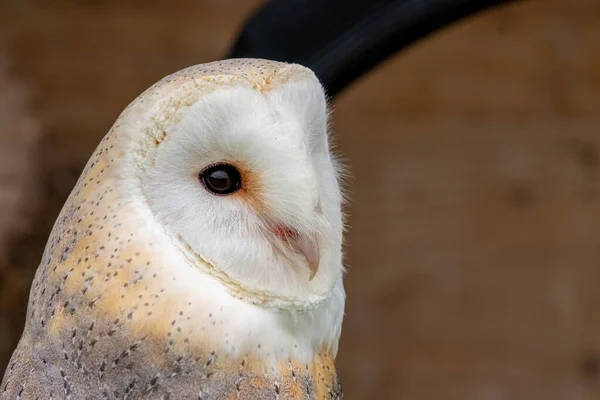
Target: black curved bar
{"type": "Point", "coordinates": [341, 40]}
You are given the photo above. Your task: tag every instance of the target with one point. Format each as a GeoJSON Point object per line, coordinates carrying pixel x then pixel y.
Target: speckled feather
{"type": "Point", "coordinates": [107, 316]}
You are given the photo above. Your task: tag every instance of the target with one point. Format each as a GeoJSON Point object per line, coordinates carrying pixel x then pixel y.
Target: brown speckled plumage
{"type": "Point", "coordinates": [103, 324]}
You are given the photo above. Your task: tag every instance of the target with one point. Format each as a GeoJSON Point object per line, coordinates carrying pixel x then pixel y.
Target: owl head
{"type": "Point", "coordinates": [233, 161]}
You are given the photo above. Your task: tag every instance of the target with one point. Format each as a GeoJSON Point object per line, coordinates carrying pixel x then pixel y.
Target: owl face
{"type": "Point", "coordinates": [245, 181]}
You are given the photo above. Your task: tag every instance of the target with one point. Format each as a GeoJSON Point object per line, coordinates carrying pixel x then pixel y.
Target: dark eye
{"type": "Point", "coordinates": [221, 179]}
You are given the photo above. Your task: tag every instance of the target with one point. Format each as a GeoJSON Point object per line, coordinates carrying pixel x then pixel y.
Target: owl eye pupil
{"type": "Point", "coordinates": [221, 179]}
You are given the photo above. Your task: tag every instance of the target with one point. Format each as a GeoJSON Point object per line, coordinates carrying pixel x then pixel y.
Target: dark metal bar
{"type": "Point", "coordinates": [341, 40]}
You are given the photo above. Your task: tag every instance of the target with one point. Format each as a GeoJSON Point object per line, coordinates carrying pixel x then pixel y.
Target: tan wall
{"type": "Point", "coordinates": [473, 253]}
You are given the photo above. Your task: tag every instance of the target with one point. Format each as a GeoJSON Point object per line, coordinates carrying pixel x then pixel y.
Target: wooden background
{"type": "Point", "coordinates": [474, 248]}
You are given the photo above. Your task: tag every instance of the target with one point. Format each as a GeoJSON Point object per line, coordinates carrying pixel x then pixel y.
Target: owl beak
{"type": "Point", "coordinates": [304, 244]}
{"type": "Point", "coordinates": [309, 247]}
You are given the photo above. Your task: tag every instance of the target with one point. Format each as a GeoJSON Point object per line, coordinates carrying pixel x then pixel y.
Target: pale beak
{"type": "Point", "coordinates": [308, 246]}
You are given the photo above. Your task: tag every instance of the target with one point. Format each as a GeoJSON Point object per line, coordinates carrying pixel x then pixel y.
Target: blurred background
{"type": "Point", "coordinates": [474, 245]}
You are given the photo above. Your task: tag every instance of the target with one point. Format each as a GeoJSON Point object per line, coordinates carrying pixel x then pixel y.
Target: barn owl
{"type": "Point", "coordinates": [199, 255]}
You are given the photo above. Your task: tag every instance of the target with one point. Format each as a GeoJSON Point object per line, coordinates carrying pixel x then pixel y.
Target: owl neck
{"type": "Point", "coordinates": [228, 321]}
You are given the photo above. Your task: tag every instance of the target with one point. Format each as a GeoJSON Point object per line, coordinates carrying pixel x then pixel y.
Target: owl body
{"type": "Point", "coordinates": [151, 287]}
